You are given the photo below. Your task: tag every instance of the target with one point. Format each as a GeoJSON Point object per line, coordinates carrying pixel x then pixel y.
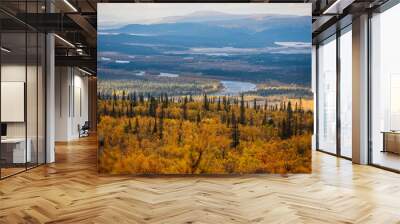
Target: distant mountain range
{"type": "Point", "coordinates": [214, 29]}
{"type": "Point", "coordinates": [212, 39]}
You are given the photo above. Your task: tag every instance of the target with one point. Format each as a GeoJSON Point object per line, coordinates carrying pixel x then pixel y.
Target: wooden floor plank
{"type": "Point", "coordinates": [71, 191]}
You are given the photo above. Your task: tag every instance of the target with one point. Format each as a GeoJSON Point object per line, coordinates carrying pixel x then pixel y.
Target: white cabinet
{"type": "Point", "coordinates": [19, 155]}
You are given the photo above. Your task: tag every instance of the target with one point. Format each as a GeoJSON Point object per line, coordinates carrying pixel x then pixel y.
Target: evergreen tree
{"type": "Point", "coordinates": [242, 111]}
{"type": "Point", "coordinates": [114, 96]}
{"type": "Point", "coordinates": [264, 120]}
{"type": "Point", "coordinates": [152, 107]}
{"type": "Point", "coordinates": [222, 118]}
{"type": "Point", "coordinates": [255, 104]}
{"type": "Point", "coordinates": [161, 123]}
{"type": "Point", "coordinates": [141, 98]}
{"type": "Point", "coordinates": [149, 128]}
{"type": "Point", "coordinates": [235, 135]}
{"type": "Point", "coordinates": [206, 103]}
{"type": "Point", "coordinates": [134, 99]}
{"type": "Point", "coordinates": [166, 100]}
{"type": "Point", "coordinates": [224, 103]}
{"type": "Point", "coordinates": [251, 122]}
{"type": "Point", "coordinates": [289, 119]}
{"type": "Point", "coordinates": [198, 118]}
{"type": "Point", "coordinates": [149, 97]}
{"type": "Point", "coordinates": [105, 111]}
{"type": "Point", "coordinates": [123, 95]}
{"type": "Point", "coordinates": [286, 129]}
{"type": "Point", "coordinates": [180, 133]}
{"type": "Point", "coordinates": [184, 109]}
{"type": "Point", "coordinates": [301, 110]}
{"type": "Point", "coordinates": [137, 127]}
{"type": "Point", "coordinates": [271, 122]}
{"type": "Point", "coordinates": [155, 129]}
{"type": "Point", "coordinates": [283, 130]}
{"type": "Point", "coordinates": [128, 127]}
{"type": "Point", "coordinates": [130, 109]}
{"type": "Point", "coordinates": [113, 109]}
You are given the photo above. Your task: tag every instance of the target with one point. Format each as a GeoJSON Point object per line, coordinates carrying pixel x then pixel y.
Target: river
{"type": "Point", "coordinates": [234, 88]}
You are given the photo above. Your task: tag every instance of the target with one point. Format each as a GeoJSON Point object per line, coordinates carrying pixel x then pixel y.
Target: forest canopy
{"type": "Point", "coordinates": [145, 134]}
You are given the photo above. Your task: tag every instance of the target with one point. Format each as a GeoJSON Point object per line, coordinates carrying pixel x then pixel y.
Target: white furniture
{"type": "Point", "coordinates": [19, 155]}
{"type": "Point", "coordinates": [391, 141]}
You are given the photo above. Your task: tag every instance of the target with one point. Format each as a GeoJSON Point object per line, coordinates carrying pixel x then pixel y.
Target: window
{"type": "Point", "coordinates": [346, 92]}
{"type": "Point", "coordinates": [385, 89]}
{"type": "Point", "coordinates": [327, 96]}
{"type": "Point", "coordinates": [22, 77]}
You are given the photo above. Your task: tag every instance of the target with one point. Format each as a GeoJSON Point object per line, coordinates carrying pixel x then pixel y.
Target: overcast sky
{"type": "Point", "coordinates": [119, 14]}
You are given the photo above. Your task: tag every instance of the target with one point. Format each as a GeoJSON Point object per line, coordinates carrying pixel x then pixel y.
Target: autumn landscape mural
{"type": "Point", "coordinates": [204, 88]}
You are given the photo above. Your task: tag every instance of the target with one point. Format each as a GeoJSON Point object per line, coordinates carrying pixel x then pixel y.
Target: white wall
{"type": "Point", "coordinates": [12, 73]}
{"type": "Point", "coordinates": [71, 102]}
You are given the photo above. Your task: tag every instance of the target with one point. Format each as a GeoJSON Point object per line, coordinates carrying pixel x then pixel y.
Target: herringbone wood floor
{"type": "Point", "coordinates": [71, 191]}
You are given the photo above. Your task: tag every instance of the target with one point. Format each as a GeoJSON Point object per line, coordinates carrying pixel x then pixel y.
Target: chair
{"type": "Point", "coordinates": [84, 130]}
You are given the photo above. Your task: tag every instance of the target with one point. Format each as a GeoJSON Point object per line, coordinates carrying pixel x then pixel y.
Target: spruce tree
{"type": "Point", "coordinates": [206, 103]}
{"type": "Point", "coordinates": [198, 118]}
{"type": "Point", "coordinates": [283, 129]}
{"type": "Point", "coordinates": [113, 109]}
{"type": "Point", "coordinates": [152, 107]}
{"type": "Point", "coordinates": [264, 120]}
{"type": "Point", "coordinates": [141, 98]}
{"type": "Point", "coordinates": [251, 122]}
{"type": "Point", "coordinates": [155, 129]}
{"type": "Point", "coordinates": [105, 111]}
{"type": "Point", "coordinates": [128, 127]}
{"type": "Point", "coordinates": [235, 136]}
{"type": "Point", "coordinates": [184, 109]}
{"type": "Point", "coordinates": [134, 99]}
{"type": "Point", "coordinates": [161, 123]}
{"type": "Point", "coordinates": [271, 122]}
{"type": "Point", "coordinates": [114, 96]}
{"type": "Point", "coordinates": [137, 128]}
{"type": "Point", "coordinates": [180, 133]}
{"type": "Point", "coordinates": [242, 111]}
{"type": "Point", "coordinates": [301, 105]}
{"type": "Point", "coordinates": [289, 118]}
{"type": "Point", "coordinates": [123, 95]}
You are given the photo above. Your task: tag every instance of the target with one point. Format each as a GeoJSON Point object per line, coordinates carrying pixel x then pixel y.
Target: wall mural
{"type": "Point", "coordinates": [195, 88]}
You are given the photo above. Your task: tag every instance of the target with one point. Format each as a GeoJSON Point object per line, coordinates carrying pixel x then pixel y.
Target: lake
{"type": "Point", "coordinates": [234, 88]}
{"type": "Point", "coordinates": [169, 75]}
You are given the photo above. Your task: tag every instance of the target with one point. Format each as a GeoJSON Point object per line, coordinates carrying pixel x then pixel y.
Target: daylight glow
{"type": "Point", "coordinates": [150, 13]}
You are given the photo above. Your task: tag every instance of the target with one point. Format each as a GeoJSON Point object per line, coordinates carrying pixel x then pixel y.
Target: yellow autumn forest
{"type": "Point", "coordinates": [144, 134]}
